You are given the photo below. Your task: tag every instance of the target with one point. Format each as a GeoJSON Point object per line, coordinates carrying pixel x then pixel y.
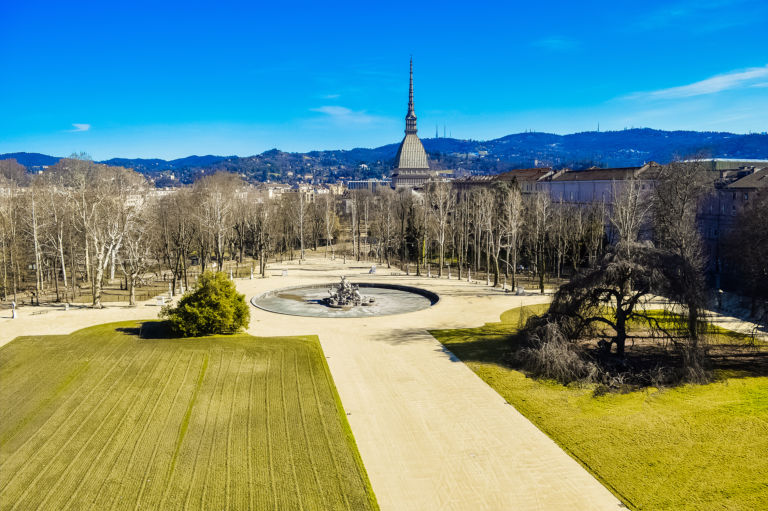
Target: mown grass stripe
{"type": "Point", "coordinates": [162, 428]}
{"type": "Point", "coordinates": [184, 426]}
{"type": "Point", "coordinates": [290, 453]}
{"type": "Point", "coordinates": [31, 485]}
{"type": "Point", "coordinates": [312, 461]}
{"type": "Point", "coordinates": [97, 430]}
{"type": "Point", "coordinates": [216, 430]}
{"type": "Point", "coordinates": [328, 442]}
{"type": "Point", "coordinates": [195, 464]}
{"type": "Point", "coordinates": [64, 417]}
{"type": "Point", "coordinates": [61, 387]}
{"type": "Point", "coordinates": [248, 428]}
{"type": "Point", "coordinates": [229, 433]}
{"type": "Point", "coordinates": [241, 433]}
{"type": "Point", "coordinates": [15, 392]}
{"type": "Point", "coordinates": [268, 428]}
{"type": "Point", "coordinates": [144, 429]}
{"type": "Point", "coordinates": [159, 368]}
{"type": "Point", "coordinates": [94, 463]}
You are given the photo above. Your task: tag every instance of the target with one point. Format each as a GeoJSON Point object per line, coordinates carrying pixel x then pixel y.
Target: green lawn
{"type": "Point", "coordinates": [692, 447]}
{"type": "Point", "coordinates": [103, 419]}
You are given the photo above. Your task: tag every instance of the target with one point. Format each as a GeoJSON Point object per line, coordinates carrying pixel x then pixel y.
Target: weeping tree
{"type": "Point", "coordinates": [612, 293]}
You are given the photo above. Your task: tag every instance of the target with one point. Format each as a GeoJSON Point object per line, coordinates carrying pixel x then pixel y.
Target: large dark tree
{"type": "Point", "coordinates": [747, 250]}
{"type": "Point", "coordinates": [676, 199]}
{"type": "Point", "coordinates": [612, 292]}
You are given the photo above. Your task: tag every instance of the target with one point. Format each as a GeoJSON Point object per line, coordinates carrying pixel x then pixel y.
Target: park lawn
{"type": "Point", "coordinates": [690, 447]}
{"type": "Point", "coordinates": [675, 323]}
{"type": "Point", "coordinates": [104, 419]}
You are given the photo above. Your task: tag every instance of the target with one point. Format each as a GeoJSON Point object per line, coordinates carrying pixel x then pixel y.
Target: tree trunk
{"type": "Point", "coordinates": [621, 333]}
{"type": "Point", "coordinates": [132, 289]}
{"type": "Point", "coordinates": [540, 270]}
{"type": "Point", "coordinates": [63, 264]}
{"type": "Point", "coordinates": [98, 277]}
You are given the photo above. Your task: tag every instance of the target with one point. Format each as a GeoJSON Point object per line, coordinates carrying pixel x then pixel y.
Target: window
{"type": "Point", "coordinates": [746, 196]}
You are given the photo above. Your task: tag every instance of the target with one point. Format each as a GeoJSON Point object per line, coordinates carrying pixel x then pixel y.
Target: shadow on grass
{"type": "Point", "coordinates": [150, 330]}
{"type": "Point", "coordinates": [487, 345]}
{"type": "Point", "coordinates": [730, 353]}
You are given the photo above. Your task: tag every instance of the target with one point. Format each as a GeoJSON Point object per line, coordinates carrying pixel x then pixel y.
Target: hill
{"type": "Point", "coordinates": [31, 160]}
{"type": "Point", "coordinates": [578, 150]}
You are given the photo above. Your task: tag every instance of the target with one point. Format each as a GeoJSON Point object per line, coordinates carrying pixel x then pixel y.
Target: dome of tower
{"type": "Point", "coordinates": [411, 154]}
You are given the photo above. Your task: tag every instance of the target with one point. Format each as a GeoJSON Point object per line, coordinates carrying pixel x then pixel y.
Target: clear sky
{"type": "Point", "coordinates": [158, 79]}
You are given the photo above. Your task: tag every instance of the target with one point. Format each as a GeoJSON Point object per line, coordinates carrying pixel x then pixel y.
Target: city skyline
{"type": "Point", "coordinates": [168, 82]}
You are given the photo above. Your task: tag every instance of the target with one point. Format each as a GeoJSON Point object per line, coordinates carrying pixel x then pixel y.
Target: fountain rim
{"type": "Point", "coordinates": [433, 297]}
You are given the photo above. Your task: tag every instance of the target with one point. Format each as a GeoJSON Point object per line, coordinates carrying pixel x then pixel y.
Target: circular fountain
{"type": "Point", "coordinates": [345, 300]}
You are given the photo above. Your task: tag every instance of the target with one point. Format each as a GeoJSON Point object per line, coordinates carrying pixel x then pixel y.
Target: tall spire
{"type": "Point", "coordinates": [410, 117]}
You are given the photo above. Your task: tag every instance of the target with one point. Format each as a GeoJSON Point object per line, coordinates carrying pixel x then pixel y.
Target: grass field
{"type": "Point", "coordinates": [103, 419]}
{"type": "Point", "coordinates": [690, 447]}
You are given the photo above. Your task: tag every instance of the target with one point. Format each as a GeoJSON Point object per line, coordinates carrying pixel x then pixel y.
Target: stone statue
{"type": "Point", "coordinates": [346, 294]}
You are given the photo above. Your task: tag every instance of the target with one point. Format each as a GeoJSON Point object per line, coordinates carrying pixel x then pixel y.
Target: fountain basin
{"type": "Point", "coordinates": [308, 301]}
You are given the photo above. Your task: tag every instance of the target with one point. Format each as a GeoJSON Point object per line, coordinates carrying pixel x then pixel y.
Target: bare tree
{"type": "Point", "coordinates": [629, 212]}
{"type": "Point", "coordinates": [136, 250]}
{"type": "Point", "coordinates": [330, 222]}
{"type": "Point", "coordinates": [9, 225]}
{"type": "Point", "coordinates": [442, 202]}
{"type": "Point", "coordinates": [216, 196]}
{"type": "Point", "coordinates": [540, 212]}
{"type": "Point", "coordinates": [676, 200]}
{"type": "Point", "coordinates": [119, 195]}
{"type": "Point", "coordinates": [511, 225]}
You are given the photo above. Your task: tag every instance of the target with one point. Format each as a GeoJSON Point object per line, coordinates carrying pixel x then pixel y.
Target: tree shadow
{"type": "Point", "coordinates": [149, 330]}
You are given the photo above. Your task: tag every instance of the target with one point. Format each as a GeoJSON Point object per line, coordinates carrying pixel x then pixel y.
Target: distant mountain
{"type": "Point", "coordinates": [578, 150]}
{"type": "Point", "coordinates": [31, 160]}
{"type": "Point", "coordinates": [152, 165]}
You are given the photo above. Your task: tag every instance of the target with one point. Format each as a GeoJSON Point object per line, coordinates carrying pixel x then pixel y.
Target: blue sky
{"type": "Point", "coordinates": [158, 79]}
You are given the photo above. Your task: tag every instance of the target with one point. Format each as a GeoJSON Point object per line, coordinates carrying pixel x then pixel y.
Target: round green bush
{"type": "Point", "coordinates": [213, 307]}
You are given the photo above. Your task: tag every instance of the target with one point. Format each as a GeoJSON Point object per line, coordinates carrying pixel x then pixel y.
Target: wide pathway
{"type": "Point", "coordinates": [432, 434]}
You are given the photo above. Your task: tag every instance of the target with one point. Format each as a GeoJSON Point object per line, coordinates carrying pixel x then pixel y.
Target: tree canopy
{"type": "Point", "coordinates": [213, 307]}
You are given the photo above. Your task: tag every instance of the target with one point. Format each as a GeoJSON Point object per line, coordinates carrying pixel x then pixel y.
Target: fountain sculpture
{"type": "Point", "coordinates": [346, 294]}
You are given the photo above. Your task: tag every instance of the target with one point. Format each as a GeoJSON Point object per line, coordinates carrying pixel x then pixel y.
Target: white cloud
{"type": "Point", "coordinates": [331, 96]}
{"type": "Point", "coordinates": [346, 115]}
{"type": "Point", "coordinates": [79, 127]}
{"type": "Point", "coordinates": [713, 85]}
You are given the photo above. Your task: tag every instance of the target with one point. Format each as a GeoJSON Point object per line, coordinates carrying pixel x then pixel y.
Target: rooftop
{"type": "Point", "coordinates": [757, 179]}
{"type": "Point", "coordinates": [613, 174]}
